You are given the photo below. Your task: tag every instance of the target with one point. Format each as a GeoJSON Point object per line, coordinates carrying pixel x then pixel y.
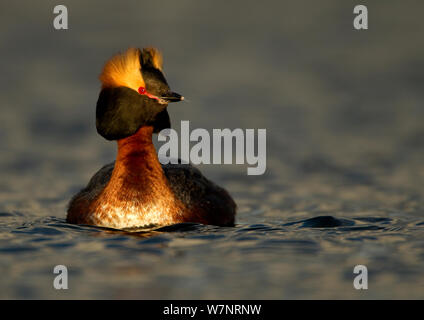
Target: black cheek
{"type": "Point", "coordinates": [120, 112]}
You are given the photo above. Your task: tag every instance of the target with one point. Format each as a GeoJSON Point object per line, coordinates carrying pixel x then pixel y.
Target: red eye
{"type": "Point", "coordinates": [142, 90]}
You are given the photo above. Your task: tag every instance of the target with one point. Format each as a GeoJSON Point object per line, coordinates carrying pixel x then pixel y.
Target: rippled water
{"type": "Point", "coordinates": [297, 259]}
{"type": "Point", "coordinates": [345, 138]}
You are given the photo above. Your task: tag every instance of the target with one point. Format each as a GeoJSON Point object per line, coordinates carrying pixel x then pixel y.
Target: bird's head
{"type": "Point", "coordinates": [134, 94]}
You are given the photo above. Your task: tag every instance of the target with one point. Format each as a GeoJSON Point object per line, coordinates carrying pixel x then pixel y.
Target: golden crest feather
{"type": "Point", "coordinates": [155, 57]}
{"type": "Point", "coordinates": [123, 69]}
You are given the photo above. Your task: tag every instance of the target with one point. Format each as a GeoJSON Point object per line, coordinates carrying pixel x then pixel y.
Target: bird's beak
{"type": "Point", "coordinates": [173, 97]}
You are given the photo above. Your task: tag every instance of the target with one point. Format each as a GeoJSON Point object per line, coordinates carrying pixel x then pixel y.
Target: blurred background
{"type": "Point", "coordinates": [343, 111]}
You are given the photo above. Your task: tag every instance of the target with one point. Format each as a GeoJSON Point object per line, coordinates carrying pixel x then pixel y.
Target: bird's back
{"type": "Point", "coordinates": [205, 202]}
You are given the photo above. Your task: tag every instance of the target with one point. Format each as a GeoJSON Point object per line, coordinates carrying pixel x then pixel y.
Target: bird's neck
{"type": "Point", "coordinates": [137, 151]}
{"type": "Point", "coordinates": [138, 192]}
{"type": "Point", "coordinates": [137, 172]}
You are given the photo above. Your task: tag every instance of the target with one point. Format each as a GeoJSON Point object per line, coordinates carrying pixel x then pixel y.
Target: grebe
{"type": "Point", "coordinates": [136, 190]}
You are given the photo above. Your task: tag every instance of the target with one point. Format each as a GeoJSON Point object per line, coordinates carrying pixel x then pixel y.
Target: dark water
{"type": "Point", "coordinates": [344, 183]}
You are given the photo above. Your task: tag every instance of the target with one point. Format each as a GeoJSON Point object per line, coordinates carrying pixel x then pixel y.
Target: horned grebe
{"type": "Point", "coordinates": [136, 190]}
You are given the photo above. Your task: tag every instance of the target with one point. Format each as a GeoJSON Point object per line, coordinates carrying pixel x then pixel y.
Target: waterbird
{"type": "Point", "coordinates": [136, 190]}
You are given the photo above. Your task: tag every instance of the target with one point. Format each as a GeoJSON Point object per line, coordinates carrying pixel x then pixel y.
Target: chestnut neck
{"type": "Point", "coordinates": [139, 144]}
{"type": "Point", "coordinates": [137, 158]}
{"type": "Point", "coordinates": [138, 180]}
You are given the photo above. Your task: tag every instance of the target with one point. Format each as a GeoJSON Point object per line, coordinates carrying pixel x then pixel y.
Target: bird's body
{"type": "Point", "coordinates": [136, 190]}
